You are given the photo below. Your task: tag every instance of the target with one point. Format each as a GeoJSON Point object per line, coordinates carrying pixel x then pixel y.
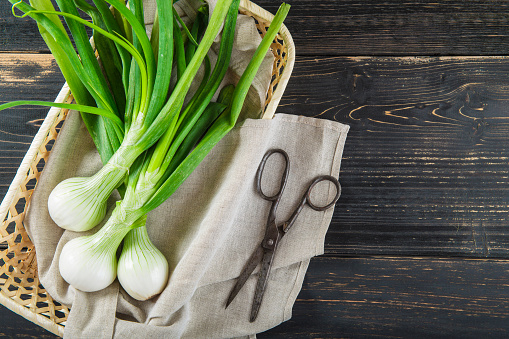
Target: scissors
{"type": "Point", "coordinates": [264, 254]}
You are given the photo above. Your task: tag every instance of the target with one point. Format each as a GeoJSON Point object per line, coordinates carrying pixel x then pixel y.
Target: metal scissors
{"type": "Point", "coordinates": [264, 254]}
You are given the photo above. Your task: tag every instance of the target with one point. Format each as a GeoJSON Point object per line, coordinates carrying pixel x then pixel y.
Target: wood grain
{"type": "Point", "coordinates": [424, 170]}
{"type": "Point", "coordinates": [23, 77]}
{"type": "Point", "coordinates": [424, 87]}
{"type": "Point", "coordinates": [15, 326]}
{"type": "Point", "coordinates": [389, 297]}
{"type": "Point", "coordinates": [350, 27]}
{"type": "Point", "coordinates": [425, 166]}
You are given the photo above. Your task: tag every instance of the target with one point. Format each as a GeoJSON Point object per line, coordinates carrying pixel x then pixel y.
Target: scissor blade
{"type": "Point", "coordinates": [261, 284]}
{"type": "Point", "coordinates": [255, 259]}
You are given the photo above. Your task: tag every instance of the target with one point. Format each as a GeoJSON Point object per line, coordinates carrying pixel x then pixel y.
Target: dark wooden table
{"type": "Point", "coordinates": [419, 243]}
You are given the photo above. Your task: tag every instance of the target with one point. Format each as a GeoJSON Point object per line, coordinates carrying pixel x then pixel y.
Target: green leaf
{"type": "Point", "coordinates": [157, 127]}
{"type": "Point", "coordinates": [184, 28]}
{"type": "Point", "coordinates": [207, 89]}
{"type": "Point", "coordinates": [141, 36]}
{"type": "Point", "coordinates": [224, 123]}
{"type": "Point", "coordinates": [165, 57]}
{"type": "Point", "coordinates": [211, 113]}
{"type": "Point", "coordinates": [113, 27]}
{"type": "Point", "coordinates": [87, 54]}
{"type": "Point", "coordinates": [196, 31]}
{"type": "Point", "coordinates": [88, 109]}
{"type": "Point", "coordinates": [180, 53]}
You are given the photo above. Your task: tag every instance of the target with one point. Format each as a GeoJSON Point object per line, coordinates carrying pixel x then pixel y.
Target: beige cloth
{"type": "Point", "coordinates": [207, 230]}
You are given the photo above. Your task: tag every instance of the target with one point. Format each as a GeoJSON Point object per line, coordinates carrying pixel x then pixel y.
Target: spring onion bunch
{"type": "Point", "coordinates": [148, 139]}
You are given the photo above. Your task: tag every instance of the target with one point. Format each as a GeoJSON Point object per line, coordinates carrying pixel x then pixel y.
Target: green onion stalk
{"type": "Point", "coordinates": [144, 192]}
{"type": "Point", "coordinates": [148, 141]}
{"type": "Point", "coordinates": [79, 203]}
{"type": "Point", "coordinates": [142, 269]}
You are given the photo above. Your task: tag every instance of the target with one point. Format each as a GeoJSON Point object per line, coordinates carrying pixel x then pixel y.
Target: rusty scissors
{"type": "Point", "coordinates": [264, 253]}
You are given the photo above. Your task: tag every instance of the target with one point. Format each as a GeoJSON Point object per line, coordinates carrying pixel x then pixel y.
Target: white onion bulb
{"type": "Point", "coordinates": [73, 205]}
{"type": "Point", "coordinates": [89, 263]}
{"type": "Point", "coordinates": [142, 269]}
{"type": "Point", "coordinates": [79, 204]}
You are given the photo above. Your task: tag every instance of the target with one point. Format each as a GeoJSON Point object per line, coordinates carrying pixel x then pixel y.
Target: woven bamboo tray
{"type": "Point", "coordinates": [20, 289]}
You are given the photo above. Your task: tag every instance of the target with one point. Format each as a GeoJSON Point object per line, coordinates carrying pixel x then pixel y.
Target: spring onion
{"type": "Point", "coordinates": [95, 253]}
{"type": "Point", "coordinates": [149, 139]}
{"type": "Point", "coordinates": [142, 269]}
{"type": "Point", "coordinates": [148, 121]}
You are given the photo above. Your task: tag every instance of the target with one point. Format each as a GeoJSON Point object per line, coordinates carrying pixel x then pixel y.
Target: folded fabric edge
{"type": "Point", "coordinates": [335, 170]}
{"type": "Point", "coordinates": [296, 289]}
{"type": "Point", "coordinates": [301, 119]}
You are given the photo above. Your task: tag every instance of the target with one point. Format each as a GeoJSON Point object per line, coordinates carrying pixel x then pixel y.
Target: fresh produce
{"type": "Point", "coordinates": [148, 139]}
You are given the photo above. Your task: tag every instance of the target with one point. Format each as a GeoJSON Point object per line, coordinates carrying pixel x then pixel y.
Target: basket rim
{"type": "Point", "coordinates": [12, 192]}
{"type": "Point", "coordinates": [53, 113]}
{"type": "Point", "coordinates": [31, 154]}
{"type": "Point", "coordinates": [28, 314]}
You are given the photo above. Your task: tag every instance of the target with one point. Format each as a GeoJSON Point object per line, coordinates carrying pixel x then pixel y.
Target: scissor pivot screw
{"type": "Point", "coordinates": [270, 242]}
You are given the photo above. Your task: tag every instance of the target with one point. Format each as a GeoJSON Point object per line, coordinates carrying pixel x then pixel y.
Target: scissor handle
{"type": "Point", "coordinates": [314, 183]}
{"type": "Point", "coordinates": [284, 178]}
{"type": "Point", "coordinates": [306, 199]}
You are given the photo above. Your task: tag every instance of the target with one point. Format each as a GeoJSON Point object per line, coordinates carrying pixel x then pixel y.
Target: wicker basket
{"type": "Point", "coordinates": [20, 289]}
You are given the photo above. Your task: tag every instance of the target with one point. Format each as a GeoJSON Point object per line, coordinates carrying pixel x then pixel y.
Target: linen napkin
{"type": "Point", "coordinates": [207, 230]}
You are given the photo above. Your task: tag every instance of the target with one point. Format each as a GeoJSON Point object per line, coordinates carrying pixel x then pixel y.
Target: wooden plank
{"type": "Point", "coordinates": [352, 27]}
{"type": "Point", "coordinates": [425, 163]}
{"type": "Point", "coordinates": [382, 297]}
{"type": "Point", "coordinates": [15, 326]}
{"type": "Point", "coordinates": [400, 298]}
{"type": "Point", "coordinates": [18, 34]}
{"type": "Point", "coordinates": [23, 77]}
{"type": "Point", "coordinates": [379, 27]}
